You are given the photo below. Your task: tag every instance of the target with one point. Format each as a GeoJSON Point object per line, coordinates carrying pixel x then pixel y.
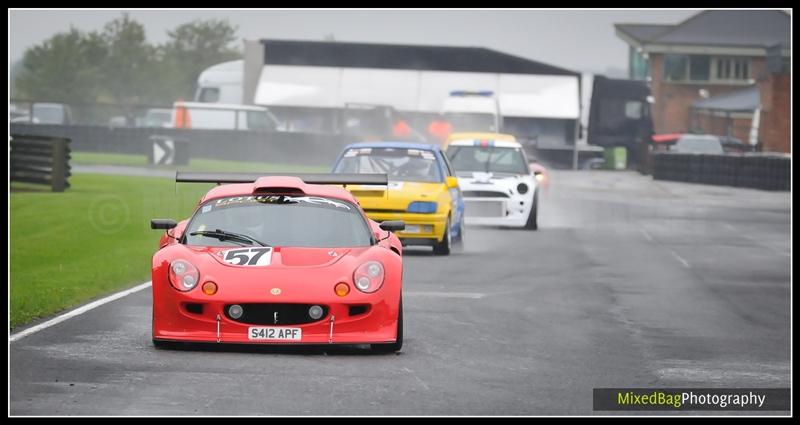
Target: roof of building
{"type": "Point", "coordinates": [402, 56]}
{"type": "Point", "coordinates": [745, 28]}
{"type": "Point", "coordinates": [741, 100]}
{"type": "Point", "coordinates": [643, 32]}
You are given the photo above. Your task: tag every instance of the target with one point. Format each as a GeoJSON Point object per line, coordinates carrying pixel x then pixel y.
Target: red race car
{"type": "Point", "coordinates": [283, 259]}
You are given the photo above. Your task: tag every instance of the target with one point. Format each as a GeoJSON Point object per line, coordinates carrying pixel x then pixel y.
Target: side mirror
{"type": "Point", "coordinates": [451, 182]}
{"type": "Point", "coordinates": [162, 223]}
{"type": "Point", "coordinates": [393, 225]}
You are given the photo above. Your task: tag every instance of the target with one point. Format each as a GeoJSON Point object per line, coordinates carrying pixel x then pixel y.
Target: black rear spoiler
{"type": "Point", "coordinates": [310, 178]}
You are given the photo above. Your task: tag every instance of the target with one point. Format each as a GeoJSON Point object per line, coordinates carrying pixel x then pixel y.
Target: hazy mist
{"type": "Point", "coordinates": [581, 40]}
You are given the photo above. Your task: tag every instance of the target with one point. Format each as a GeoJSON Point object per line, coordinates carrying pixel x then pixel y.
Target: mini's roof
{"type": "Point", "coordinates": [394, 145]}
{"type": "Point", "coordinates": [495, 143]}
{"type": "Point", "coordinates": [481, 135]}
{"type": "Point", "coordinates": [263, 184]}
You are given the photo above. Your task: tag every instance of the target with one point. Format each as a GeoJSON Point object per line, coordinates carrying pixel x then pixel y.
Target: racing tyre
{"type": "Point", "coordinates": [532, 223]}
{"type": "Point", "coordinates": [458, 244]}
{"type": "Point", "coordinates": [397, 345]}
{"type": "Point", "coordinates": [443, 247]}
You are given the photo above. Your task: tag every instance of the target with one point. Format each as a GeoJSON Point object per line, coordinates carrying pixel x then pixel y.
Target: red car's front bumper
{"type": "Point", "coordinates": [353, 319]}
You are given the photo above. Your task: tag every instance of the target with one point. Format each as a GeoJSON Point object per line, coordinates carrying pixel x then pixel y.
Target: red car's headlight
{"type": "Point", "coordinates": [183, 275]}
{"type": "Point", "coordinates": [368, 277]}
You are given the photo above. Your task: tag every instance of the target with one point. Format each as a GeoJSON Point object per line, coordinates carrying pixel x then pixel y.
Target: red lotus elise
{"type": "Point", "coordinates": [283, 259]}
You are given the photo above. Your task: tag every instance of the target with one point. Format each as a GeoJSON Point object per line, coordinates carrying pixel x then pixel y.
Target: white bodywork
{"type": "Point", "coordinates": [221, 116]}
{"type": "Point", "coordinates": [226, 78]}
{"type": "Point", "coordinates": [471, 104]}
{"type": "Point", "coordinates": [495, 200]}
{"type": "Point", "coordinates": [467, 105]}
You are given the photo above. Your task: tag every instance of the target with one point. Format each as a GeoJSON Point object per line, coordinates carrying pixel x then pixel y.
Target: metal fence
{"type": "Point", "coordinates": [233, 145]}
{"type": "Point", "coordinates": [40, 160]}
{"type": "Point", "coordinates": [766, 172]}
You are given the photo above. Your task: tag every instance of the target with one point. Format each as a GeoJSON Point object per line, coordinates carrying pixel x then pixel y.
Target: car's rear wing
{"type": "Point", "coordinates": [310, 178]}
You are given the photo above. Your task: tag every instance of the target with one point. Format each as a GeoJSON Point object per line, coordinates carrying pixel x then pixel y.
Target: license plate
{"type": "Point", "coordinates": [411, 228]}
{"type": "Point", "coordinates": [274, 334]}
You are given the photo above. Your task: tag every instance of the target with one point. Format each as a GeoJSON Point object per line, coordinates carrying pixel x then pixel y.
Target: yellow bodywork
{"type": "Point", "coordinates": [477, 136]}
{"type": "Point", "coordinates": [382, 205]}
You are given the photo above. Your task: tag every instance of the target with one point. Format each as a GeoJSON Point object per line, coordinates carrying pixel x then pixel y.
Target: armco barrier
{"type": "Point", "coordinates": [756, 171]}
{"type": "Point", "coordinates": [233, 145]}
{"type": "Point", "coordinates": [40, 160]}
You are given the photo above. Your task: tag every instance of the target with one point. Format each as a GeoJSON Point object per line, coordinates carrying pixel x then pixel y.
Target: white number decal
{"type": "Point", "coordinates": [248, 256]}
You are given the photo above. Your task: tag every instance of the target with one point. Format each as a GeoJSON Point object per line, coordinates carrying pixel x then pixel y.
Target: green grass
{"type": "Point", "coordinates": [94, 239]}
{"type": "Point", "coordinates": [93, 158]}
{"type": "Point", "coordinates": [196, 164]}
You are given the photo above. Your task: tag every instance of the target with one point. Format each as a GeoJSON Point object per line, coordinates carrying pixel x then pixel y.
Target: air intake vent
{"type": "Point", "coordinates": [279, 191]}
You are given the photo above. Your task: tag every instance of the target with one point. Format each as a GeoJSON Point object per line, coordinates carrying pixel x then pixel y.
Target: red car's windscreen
{"type": "Point", "coordinates": [280, 220]}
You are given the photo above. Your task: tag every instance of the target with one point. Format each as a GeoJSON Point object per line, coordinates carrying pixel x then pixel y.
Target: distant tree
{"type": "Point", "coordinates": [128, 71]}
{"type": "Point", "coordinates": [119, 65]}
{"type": "Point", "coordinates": [63, 68]}
{"type": "Point", "coordinates": [193, 47]}
{"type": "Point", "coordinates": [14, 71]}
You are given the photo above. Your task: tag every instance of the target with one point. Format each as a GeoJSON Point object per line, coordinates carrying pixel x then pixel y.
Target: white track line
{"type": "Point", "coordinates": [756, 241]}
{"type": "Point", "coordinates": [679, 258]}
{"type": "Point", "coordinates": [78, 311]}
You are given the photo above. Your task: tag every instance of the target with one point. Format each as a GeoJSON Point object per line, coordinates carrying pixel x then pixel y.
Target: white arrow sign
{"type": "Point", "coordinates": [163, 152]}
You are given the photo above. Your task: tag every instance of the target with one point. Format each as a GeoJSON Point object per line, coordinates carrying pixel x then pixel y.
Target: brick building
{"type": "Point", "coordinates": [721, 72]}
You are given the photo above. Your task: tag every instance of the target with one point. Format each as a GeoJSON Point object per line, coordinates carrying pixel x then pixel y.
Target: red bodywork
{"type": "Point", "coordinates": [295, 276]}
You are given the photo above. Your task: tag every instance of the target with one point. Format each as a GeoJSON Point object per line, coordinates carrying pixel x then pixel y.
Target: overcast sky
{"type": "Point", "coordinates": [578, 40]}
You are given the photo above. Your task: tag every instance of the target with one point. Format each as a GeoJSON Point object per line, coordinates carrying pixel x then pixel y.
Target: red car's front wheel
{"type": "Point", "coordinates": [398, 344]}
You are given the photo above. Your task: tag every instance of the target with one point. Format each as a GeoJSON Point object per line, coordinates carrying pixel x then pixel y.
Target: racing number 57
{"type": "Point", "coordinates": [246, 257]}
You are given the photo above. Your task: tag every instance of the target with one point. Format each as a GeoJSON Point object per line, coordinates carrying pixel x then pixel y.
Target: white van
{"type": "Point", "coordinates": [470, 111]}
{"type": "Point", "coordinates": [221, 83]}
{"type": "Point", "coordinates": [220, 116]}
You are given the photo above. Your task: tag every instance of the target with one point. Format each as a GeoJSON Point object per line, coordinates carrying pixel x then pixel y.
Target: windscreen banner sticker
{"type": "Point", "coordinates": [260, 256]}
{"type": "Point", "coordinates": [423, 153]}
{"type": "Point", "coordinates": [280, 200]}
{"type": "Point", "coordinates": [206, 208]}
{"type": "Point", "coordinates": [355, 152]}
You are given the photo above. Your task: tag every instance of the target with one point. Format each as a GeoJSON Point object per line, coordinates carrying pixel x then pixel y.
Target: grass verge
{"type": "Point", "coordinates": [92, 240]}
{"type": "Point", "coordinates": [195, 164]}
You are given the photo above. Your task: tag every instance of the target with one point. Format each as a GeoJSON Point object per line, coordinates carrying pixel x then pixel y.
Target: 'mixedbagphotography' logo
{"type": "Point", "coordinates": [677, 399]}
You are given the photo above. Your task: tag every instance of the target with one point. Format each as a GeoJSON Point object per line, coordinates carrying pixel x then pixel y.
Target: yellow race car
{"type": "Point", "coordinates": [422, 191]}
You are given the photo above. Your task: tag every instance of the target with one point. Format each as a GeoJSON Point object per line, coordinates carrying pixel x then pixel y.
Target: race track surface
{"type": "Point", "coordinates": [628, 283]}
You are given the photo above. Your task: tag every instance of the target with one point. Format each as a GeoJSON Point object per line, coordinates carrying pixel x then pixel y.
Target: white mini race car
{"type": "Point", "coordinates": [497, 184]}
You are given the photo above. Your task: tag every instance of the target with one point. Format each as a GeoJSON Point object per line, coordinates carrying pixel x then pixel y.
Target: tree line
{"type": "Point", "coordinates": [118, 65]}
